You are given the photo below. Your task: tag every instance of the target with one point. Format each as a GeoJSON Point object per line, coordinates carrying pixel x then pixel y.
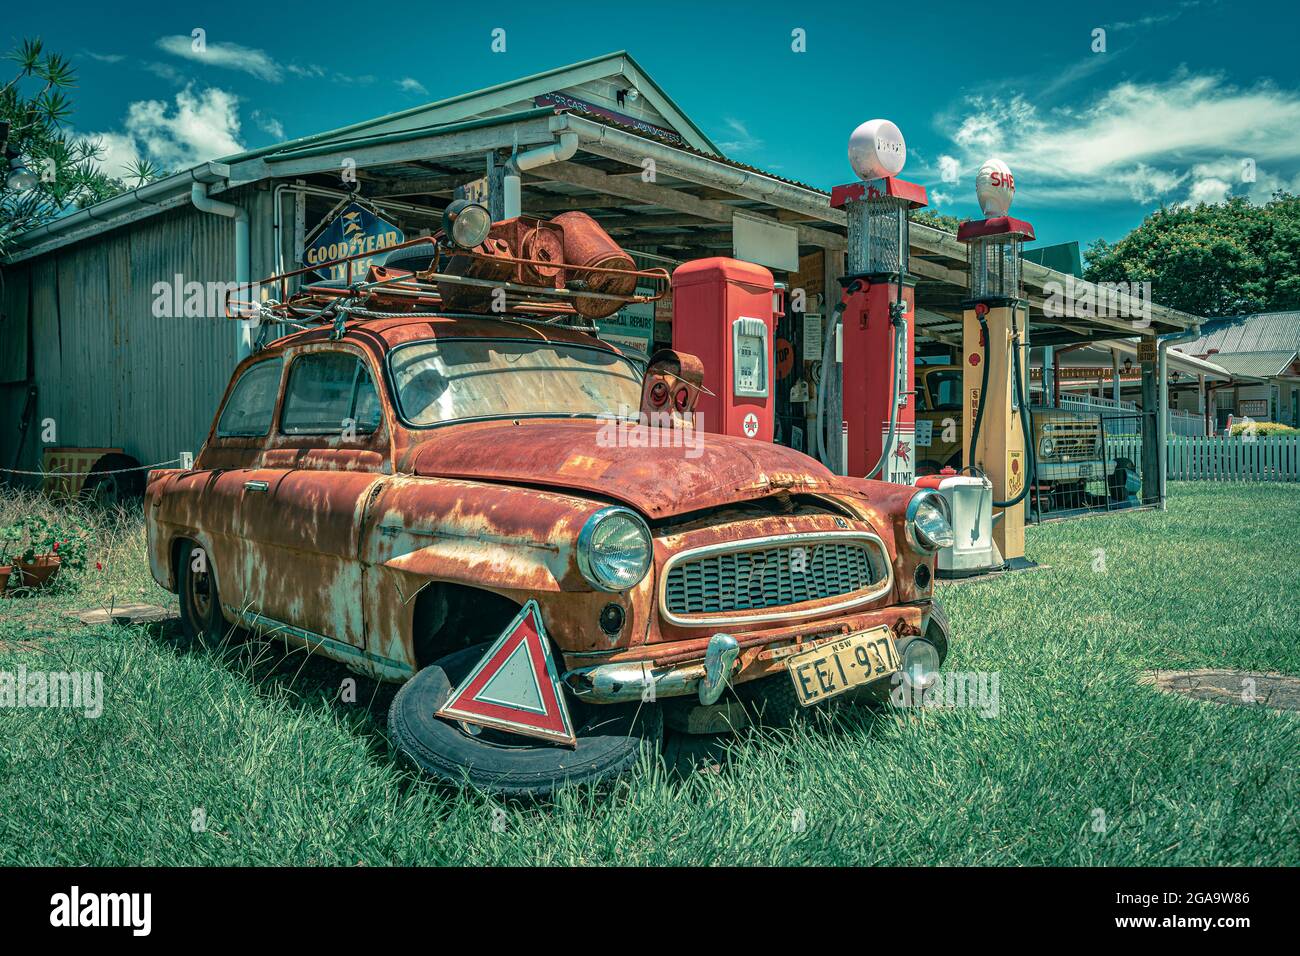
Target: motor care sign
{"type": "Point", "coordinates": [353, 231]}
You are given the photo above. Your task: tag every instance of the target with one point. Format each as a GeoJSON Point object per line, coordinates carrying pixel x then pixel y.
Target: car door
{"type": "Point", "coordinates": [330, 448]}
{"type": "Point", "coordinates": [208, 503]}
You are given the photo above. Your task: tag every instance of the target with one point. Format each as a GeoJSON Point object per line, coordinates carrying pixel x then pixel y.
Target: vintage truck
{"type": "Point", "coordinates": [403, 494]}
{"type": "Point", "coordinates": [1067, 444]}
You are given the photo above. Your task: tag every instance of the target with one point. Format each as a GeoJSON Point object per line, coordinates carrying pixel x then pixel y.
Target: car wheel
{"type": "Point", "coordinates": [111, 486]}
{"type": "Point", "coordinates": [610, 737]}
{"type": "Point", "coordinates": [201, 617]}
{"type": "Point", "coordinates": [770, 701]}
{"type": "Point", "coordinates": [939, 628]}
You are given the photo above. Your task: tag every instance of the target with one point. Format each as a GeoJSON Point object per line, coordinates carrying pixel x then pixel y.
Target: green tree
{"type": "Point", "coordinates": [1213, 259]}
{"type": "Point", "coordinates": [938, 220]}
{"type": "Point", "coordinates": [36, 105]}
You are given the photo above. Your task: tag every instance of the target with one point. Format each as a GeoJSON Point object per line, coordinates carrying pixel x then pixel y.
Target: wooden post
{"type": "Point", "coordinates": [495, 172]}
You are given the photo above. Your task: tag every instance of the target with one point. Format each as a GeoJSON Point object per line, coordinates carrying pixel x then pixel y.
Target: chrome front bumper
{"type": "Point", "coordinates": [639, 681]}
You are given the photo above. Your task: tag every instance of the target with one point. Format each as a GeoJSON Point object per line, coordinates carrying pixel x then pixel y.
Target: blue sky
{"type": "Point", "coordinates": [1182, 95]}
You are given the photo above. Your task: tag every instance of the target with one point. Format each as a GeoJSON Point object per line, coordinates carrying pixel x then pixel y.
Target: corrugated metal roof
{"type": "Point", "coordinates": [1257, 332]}
{"type": "Point", "coordinates": [1255, 364]}
{"type": "Point", "coordinates": [687, 148]}
{"type": "Point", "coordinates": [618, 60]}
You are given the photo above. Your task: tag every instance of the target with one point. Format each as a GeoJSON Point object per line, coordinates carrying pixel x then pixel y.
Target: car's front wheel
{"type": "Point", "coordinates": [610, 737]}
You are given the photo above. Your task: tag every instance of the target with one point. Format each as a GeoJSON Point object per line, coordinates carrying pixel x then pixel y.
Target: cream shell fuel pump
{"type": "Point", "coordinates": [998, 446]}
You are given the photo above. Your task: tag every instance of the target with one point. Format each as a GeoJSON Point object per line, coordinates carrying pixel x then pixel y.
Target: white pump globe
{"type": "Point", "coordinates": [995, 187]}
{"type": "Point", "coordinates": [876, 150]}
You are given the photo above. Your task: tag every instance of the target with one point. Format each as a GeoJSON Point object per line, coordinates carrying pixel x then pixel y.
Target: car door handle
{"type": "Point", "coordinates": [256, 486]}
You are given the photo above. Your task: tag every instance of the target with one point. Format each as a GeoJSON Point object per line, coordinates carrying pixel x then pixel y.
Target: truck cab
{"type": "Point", "coordinates": [1067, 444]}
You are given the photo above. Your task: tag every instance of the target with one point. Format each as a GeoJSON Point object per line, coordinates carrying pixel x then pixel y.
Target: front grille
{"type": "Point", "coordinates": [774, 576]}
{"type": "Point", "coordinates": [1072, 443]}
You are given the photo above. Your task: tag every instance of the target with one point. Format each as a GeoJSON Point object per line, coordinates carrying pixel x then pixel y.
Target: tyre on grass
{"type": "Point", "coordinates": [611, 737]}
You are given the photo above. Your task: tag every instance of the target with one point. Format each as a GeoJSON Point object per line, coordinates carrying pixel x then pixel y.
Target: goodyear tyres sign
{"type": "Point", "coordinates": [354, 231]}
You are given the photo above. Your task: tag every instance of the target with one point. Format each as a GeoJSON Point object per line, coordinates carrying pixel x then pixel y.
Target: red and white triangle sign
{"type": "Point", "coordinates": [515, 687]}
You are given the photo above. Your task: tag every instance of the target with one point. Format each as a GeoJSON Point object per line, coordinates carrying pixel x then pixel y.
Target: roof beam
{"type": "Point", "coordinates": [652, 194]}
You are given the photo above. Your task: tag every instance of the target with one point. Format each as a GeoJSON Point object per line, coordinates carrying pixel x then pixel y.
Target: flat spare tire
{"type": "Point", "coordinates": [611, 737]}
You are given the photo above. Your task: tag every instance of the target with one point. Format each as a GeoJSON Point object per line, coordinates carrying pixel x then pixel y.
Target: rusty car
{"type": "Point", "coordinates": [396, 492]}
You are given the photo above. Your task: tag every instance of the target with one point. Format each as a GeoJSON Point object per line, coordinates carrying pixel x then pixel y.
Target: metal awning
{"type": "Point", "coordinates": [685, 212]}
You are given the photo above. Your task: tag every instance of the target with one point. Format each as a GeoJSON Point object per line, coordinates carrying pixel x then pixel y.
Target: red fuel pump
{"type": "Point", "coordinates": [876, 328]}
{"type": "Point", "coordinates": [723, 313]}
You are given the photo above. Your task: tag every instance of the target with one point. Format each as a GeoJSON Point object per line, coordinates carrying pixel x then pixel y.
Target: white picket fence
{"type": "Point", "coordinates": [1215, 458]}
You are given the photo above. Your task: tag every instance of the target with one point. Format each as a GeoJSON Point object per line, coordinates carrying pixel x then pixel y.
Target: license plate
{"type": "Point", "coordinates": [832, 669]}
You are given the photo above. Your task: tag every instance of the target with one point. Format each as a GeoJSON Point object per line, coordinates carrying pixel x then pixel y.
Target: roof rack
{"type": "Point", "coordinates": [399, 293]}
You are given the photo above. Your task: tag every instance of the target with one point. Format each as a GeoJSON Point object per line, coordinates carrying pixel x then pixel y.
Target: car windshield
{"type": "Point", "coordinates": [945, 390]}
{"type": "Point", "coordinates": [453, 379]}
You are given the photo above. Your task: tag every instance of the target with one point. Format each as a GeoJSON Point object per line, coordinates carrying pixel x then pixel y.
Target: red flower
{"type": "Point", "coordinates": [56, 547]}
{"type": "Point", "coordinates": [98, 566]}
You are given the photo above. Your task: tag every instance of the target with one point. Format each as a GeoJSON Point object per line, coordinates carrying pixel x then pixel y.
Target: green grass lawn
{"type": "Point", "coordinates": [258, 745]}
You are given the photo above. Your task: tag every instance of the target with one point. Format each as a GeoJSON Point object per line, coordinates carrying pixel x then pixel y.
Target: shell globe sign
{"type": "Point", "coordinates": [995, 187]}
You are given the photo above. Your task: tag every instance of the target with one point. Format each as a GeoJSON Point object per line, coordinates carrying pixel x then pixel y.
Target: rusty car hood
{"type": "Point", "coordinates": [584, 455]}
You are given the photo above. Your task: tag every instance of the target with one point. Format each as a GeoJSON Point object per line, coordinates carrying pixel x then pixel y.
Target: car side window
{"type": "Point", "coordinates": [326, 392]}
{"type": "Point", "coordinates": [251, 405]}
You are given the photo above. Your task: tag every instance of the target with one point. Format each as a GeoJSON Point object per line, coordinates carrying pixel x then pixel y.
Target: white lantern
{"type": "Point", "coordinates": [995, 187]}
{"type": "Point", "coordinates": [877, 150]}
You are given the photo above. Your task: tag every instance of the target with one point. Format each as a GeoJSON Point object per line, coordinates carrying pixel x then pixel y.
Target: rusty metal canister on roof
{"type": "Point", "coordinates": [494, 266]}
{"type": "Point", "coordinates": [587, 244]}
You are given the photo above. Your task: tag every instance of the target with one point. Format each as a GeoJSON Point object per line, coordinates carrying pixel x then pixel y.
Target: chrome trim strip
{"type": "Point", "coordinates": [783, 613]}
{"type": "Point", "coordinates": [378, 663]}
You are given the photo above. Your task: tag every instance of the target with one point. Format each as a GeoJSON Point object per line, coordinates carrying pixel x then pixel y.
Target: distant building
{"type": "Point", "coordinates": [1262, 353]}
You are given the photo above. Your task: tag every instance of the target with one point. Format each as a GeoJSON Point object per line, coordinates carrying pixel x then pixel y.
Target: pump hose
{"type": "Point", "coordinates": [899, 321]}
{"type": "Point", "coordinates": [822, 451]}
{"type": "Point", "coordinates": [1031, 458]}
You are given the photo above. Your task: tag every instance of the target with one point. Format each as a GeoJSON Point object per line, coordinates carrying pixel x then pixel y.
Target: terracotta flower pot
{"type": "Point", "coordinates": [40, 571]}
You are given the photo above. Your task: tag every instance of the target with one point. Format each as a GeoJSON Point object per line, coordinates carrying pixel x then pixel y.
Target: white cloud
{"type": "Point", "coordinates": [197, 126]}
{"type": "Point", "coordinates": [1208, 190]}
{"type": "Point", "coordinates": [744, 140]}
{"type": "Point", "coordinates": [165, 71]}
{"type": "Point", "coordinates": [409, 84]}
{"type": "Point", "coordinates": [106, 57]}
{"type": "Point", "coordinates": [231, 56]}
{"type": "Point", "coordinates": [268, 124]}
{"type": "Point", "coordinates": [949, 169]}
{"type": "Point", "coordinates": [117, 152]}
{"type": "Point", "coordinates": [1137, 141]}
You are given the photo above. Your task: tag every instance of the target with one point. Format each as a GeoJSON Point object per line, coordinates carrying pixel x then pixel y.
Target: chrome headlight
{"type": "Point", "coordinates": [928, 525]}
{"type": "Point", "coordinates": [466, 224]}
{"type": "Point", "coordinates": [1045, 448]}
{"type": "Point", "coordinates": [614, 549]}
